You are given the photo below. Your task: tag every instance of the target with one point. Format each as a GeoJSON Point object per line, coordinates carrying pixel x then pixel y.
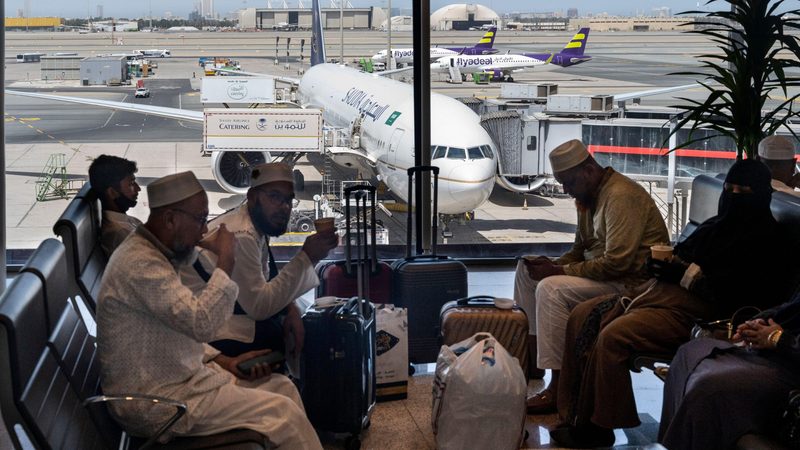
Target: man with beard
{"type": "Point", "coordinates": [266, 315]}
{"type": "Point", "coordinates": [152, 331]}
{"type": "Point", "coordinates": [617, 224]}
{"type": "Point", "coordinates": [113, 180]}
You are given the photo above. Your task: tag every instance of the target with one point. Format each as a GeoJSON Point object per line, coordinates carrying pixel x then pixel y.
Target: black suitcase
{"type": "Point", "coordinates": [424, 283]}
{"type": "Point", "coordinates": [338, 366]}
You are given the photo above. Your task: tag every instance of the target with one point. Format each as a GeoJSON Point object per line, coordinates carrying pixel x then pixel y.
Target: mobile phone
{"type": "Point", "coordinates": [270, 359]}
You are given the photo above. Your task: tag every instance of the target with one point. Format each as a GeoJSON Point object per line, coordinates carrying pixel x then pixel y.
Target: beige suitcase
{"type": "Point", "coordinates": [460, 319]}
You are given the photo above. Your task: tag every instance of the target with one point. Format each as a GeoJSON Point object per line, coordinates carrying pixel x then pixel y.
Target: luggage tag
{"type": "Point", "coordinates": [326, 302]}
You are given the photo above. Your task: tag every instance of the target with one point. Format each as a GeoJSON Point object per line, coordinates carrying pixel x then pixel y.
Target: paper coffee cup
{"type": "Point", "coordinates": [662, 252]}
{"type": "Point", "coordinates": [324, 225]}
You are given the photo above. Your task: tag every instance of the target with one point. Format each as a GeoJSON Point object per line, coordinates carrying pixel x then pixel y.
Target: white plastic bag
{"type": "Point", "coordinates": [478, 396]}
{"type": "Point", "coordinates": [391, 366]}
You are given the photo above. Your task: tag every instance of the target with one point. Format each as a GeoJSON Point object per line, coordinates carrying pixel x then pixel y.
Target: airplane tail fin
{"type": "Point", "coordinates": [317, 38]}
{"type": "Point", "coordinates": [487, 41]}
{"type": "Point", "coordinates": [577, 45]}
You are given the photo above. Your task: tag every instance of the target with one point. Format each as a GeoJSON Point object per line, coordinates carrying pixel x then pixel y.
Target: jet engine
{"type": "Point", "coordinates": [231, 169]}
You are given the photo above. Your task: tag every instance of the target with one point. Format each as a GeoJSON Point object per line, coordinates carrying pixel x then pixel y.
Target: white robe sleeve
{"type": "Point", "coordinates": [262, 299]}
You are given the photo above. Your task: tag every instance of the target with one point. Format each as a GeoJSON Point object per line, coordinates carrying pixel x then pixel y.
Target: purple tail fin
{"type": "Point", "coordinates": [487, 41]}
{"type": "Point", "coordinates": [577, 45]}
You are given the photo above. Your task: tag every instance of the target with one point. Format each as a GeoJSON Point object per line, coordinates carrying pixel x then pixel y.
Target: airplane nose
{"type": "Point", "coordinates": [465, 185]}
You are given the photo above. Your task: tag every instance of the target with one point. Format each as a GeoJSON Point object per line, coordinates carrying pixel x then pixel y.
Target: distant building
{"type": "Point", "coordinates": [572, 13]}
{"type": "Point", "coordinates": [114, 25]}
{"type": "Point", "coordinates": [100, 11]}
{"type": "Point", "coordinates": [207, 9]}
{"type": "Point", "coordinates": [632, 23]}
{"type": "Point", "coordinates": [271, 18]}
{"type": "Point", "coordinates": [103, 70]}
{"type": "Point", "coordinates": [463, 16]}
{"type": "Point", "coordinates": [32, 23]}
{"type": "Point", "coordinates": [60, 67]}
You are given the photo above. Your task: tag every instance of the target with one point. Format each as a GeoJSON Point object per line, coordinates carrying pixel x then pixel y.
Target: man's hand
{"type": "Point", "coordinates": [293, 327]}
{"type": "Point", "coordinates": [223, 243]}
{"type": "Point", "coordinates": [541, 268]}
{"type": "Point", "coordinates": [755, 333]}
{"type": "Point", "coordinates": [318, 245]}
{"type": "Point", "coordinates": [258, 370]}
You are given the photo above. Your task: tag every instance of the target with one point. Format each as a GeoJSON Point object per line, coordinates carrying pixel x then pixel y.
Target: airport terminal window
{"type": "Point", "coordinates": [487, 151]}
{"type": "Point", "coordinates": [456, 153]}
{"type": "Point", "coordinates": [439, 152]}
{"type": "Point", "coordinates": [475, 153]}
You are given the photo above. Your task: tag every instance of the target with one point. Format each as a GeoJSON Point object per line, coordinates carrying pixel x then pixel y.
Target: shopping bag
{"type": "Point", "coordinates": [391, 347]}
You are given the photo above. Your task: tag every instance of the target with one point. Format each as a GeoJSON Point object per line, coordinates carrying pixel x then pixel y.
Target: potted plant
{"type": "Point", "coordinates": [756, 51]}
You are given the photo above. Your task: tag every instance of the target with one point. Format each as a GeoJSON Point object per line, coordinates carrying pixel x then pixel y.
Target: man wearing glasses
{"type": "Point", "coordinates": [113, 179]}
{"type": "Point", "coordinates": [152, 330]}
{"type": "Point", "coordinates": [266, 316]}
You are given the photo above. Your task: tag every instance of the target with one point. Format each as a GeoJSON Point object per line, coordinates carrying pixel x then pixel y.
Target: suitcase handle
{"type": "Point", "coordinates": [411, 172]}
{"type": "Point", "coordinates": [476, 300]}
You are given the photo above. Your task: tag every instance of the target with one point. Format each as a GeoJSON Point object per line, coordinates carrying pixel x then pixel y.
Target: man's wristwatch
{"type": "Point", "coordinates": [774, 337]}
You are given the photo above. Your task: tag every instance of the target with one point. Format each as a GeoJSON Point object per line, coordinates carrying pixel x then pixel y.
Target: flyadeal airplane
{"type": "Point", "coordinates": [406, 55]}
{"type": "Point", "coordinates": [380, 111]}
{"type": "Point", "coordinates": [502, 66]}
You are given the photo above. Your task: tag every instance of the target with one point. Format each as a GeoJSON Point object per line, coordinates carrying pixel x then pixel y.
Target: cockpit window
{"type": "Point", "coordinates": [475, 153]}
{"type": "Point", "coordinates": [487, 150]}
{"type": "Point", "coordinates": [456, 153]}
{"type": "Point", "coordinates": [439, 151]}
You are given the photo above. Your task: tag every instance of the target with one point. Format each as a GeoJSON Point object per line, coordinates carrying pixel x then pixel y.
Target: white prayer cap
{"type": "Point", "coordinates": [776, 148]}
{"type": "Point", "coordinates": [173, 188]}
{"type": "Point", "coordinates": [270, 173]}
{"type": "Point", "coordinates": [568, 155]}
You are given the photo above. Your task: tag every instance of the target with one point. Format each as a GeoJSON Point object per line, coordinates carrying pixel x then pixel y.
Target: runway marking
{"type": "Point", "coordinates": [24, 121]}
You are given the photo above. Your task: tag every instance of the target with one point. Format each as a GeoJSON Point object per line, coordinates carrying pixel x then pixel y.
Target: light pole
{"type": "Point", "coordinates": [389, 37]}
{"type": "Point", "coordinates": [341, 31]}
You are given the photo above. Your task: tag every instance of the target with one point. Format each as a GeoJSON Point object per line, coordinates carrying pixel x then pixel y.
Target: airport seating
{"type": "Point", "coordinates": [50, 394]}
{"type": "Point", "coordinates": [48, 262]}
{"type": "Point", "coordinates": [704, 203]}
{"type": "Point", "coordinates": [79, 229]}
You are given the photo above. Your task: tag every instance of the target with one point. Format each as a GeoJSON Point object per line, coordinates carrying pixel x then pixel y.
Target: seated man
{"type": "Point", "coordinates": [777, 152]}
{"type": "Point", "coordinates": [152, 330]}
{"type": "Point", "coordinates": [265, 311]}
{"type": "Point", "coordinates": [617, 224]}
{"type": "Point", "coordinates": [113, 179]}
{"type": "Point", "coordinates": [740, 257]}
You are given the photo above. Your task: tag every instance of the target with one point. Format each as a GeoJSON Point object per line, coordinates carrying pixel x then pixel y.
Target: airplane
{"type": "Point", "coordinates": [378, 114]}
{"type": "Point", "coordinates": [284, 26]}
{"type": "Point", "coordinates": [406, 55]}
{"type": "Point", "coordinates": [501, 66]}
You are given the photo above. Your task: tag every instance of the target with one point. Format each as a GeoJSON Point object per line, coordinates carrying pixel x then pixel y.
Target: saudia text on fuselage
{"type": "Point", "coordinates": [364, 103]}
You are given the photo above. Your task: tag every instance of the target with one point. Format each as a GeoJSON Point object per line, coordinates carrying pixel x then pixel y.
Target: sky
{"type": "Point", "coordinates": [181, 8]}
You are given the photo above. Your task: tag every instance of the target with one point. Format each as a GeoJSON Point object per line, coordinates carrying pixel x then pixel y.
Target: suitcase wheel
{"type": "Point", "coordinates": [411, 370]}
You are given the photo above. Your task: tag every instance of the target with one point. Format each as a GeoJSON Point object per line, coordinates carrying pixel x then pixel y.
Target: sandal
{"type": "Point", "coordinates": [542, 403]}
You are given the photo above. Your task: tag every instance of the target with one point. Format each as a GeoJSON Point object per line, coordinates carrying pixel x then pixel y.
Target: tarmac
{"type": "Point", "coordinates": [35, 129]}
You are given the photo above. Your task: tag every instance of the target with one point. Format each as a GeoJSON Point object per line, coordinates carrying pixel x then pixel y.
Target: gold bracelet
{"type": "Point", "coordinates": [774, 337]}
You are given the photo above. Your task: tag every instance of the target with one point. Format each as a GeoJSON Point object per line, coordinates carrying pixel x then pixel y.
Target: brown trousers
{"type": "Point", "coordinates": [601, 336]}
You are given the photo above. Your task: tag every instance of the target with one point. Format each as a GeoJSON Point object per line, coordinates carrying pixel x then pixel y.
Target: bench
{"type": "Point", "coordinates": [50, 396]}
{"type": "Point", "coordinates": [704, 204]}
{"type": "Point", "coordinates": [79, 229]}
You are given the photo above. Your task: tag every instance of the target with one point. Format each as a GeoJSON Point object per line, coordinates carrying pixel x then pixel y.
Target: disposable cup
{"type": "Point", "coordinates": [324, 225]}
{"type": "Point", "coordinates": [662, 252]}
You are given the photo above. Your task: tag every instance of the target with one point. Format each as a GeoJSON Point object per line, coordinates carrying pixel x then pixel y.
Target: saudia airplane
{"type": "Point", "coordinates": [381, 112]}
{"type": "Point", "coordinates": [501, 66]}
{"type": "Point", "coordinates": [406, 55]}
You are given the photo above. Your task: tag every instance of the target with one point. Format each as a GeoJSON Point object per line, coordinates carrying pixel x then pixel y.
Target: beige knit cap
{"type": "Point", "coordinates": [172, 189]}
{"type": "Point", "coordinates": [568, 155]}
{"type": "Point", "coordinates": [270, 173]}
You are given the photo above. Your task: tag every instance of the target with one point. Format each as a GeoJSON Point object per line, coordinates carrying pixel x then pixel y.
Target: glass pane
{"type": "Point", "coordinates": [487, 150]}
{"type": "Point", "coordinates": [475, 153]}
{"type": "Point", "coordinates": [439, 152]}
{"type": "Point", "coordinates": [456, 153]}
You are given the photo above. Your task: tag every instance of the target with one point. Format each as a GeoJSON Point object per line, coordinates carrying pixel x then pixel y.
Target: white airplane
{"type": "Point", "coordinates": [378, 113]}
{"type": "Point", "coordinates": [406, 55]}
{"type": "Point", "coordinates": [502, 66]}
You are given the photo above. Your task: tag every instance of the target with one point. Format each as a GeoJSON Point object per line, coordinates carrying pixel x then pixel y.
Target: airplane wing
{"type": "Point", "coordinates": [161, 111]}
{"type": "Point", "coordinates": [649, 92]}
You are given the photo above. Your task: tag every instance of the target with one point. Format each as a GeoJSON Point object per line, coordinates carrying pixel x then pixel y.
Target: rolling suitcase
{"type": "Point", "coordinates": [338, 278]}
{"type": "Point", "coordinates": [465, 317]}
{"type": "Point", "coordinates": [338, 366]}
{"type": "Point", "coordinates": [424, 283]}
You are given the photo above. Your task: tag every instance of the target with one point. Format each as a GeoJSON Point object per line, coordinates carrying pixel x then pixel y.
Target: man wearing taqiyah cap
{"type": "Point", "coordinates": [778, 153]}
{"type": "Point", "coordinates": [617, 224]}
{"type": "Point", "coordinates": [266, 315]}
{"type": "Point", "coordinates": [152, 330]}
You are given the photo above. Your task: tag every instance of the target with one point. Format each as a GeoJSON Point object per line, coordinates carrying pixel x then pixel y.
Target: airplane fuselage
{"type": "Point", "coordinates": [385, 109]}
{"type": "Point", "coordinates": [482, 63]}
